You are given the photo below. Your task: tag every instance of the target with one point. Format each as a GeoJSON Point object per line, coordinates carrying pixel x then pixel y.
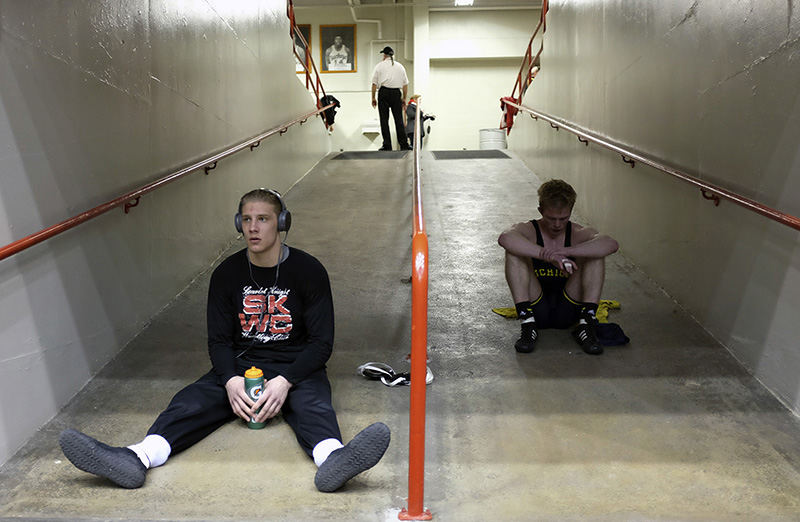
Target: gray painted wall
{"type": "Point", "coordinates": [97, 98]}
{"type": "Point", "coordinates": [711, 87]}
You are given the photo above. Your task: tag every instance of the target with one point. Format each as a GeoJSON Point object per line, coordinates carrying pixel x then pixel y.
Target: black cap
{"type": "Point", "coordinates": [388, 51]}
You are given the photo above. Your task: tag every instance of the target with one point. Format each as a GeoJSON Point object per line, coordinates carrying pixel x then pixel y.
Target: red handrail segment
{"type": "Point", "coordinates": [131, 199]}
{"type": "Point", "coordinates": [314, 85]}
{"type": "Point", "coordinates": [525, 75]}
{"type": "Point", "coordinates": [632, 157]}
{"type": "Point", "coordinates": [419, 344]}
{"type": "Point", "coordinates": [529, 61]}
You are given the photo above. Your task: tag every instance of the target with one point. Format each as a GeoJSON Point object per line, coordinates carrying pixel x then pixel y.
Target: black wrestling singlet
{"type": "Point", "coordinates": [550, 278]}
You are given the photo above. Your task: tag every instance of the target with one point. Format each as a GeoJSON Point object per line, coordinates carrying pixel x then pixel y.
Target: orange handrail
{"type": "Point", "coordinates": [529, 61]}
{"type": "Point", "coordinates": [312, 85]}
{"type": "Point", "coordinates": [131, 199]}
{"type": "Point", "coordinates": [419, 344]}
{"type": "Point", "coordinates": [709, 191]}
{"type": "Point", "coordinates": [526, 74]}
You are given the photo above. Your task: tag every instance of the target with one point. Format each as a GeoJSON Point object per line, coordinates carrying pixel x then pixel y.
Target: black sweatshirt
{"type": "Point", "coordinates": [288, 321]}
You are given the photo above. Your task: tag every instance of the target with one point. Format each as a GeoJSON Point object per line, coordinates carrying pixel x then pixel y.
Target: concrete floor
{"type": "Point", "coordinates": [669, 427]}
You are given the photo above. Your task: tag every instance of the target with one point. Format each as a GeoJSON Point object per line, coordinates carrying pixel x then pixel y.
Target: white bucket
{"type": "Point", "coordinates": [492, 139]}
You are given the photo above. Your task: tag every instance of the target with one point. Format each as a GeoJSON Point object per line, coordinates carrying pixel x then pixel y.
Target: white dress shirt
{"type": "Point", "coordinates": [388, 75]}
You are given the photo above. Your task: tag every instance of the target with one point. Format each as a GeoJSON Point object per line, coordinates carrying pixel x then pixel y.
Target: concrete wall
{"type": "Point", "coordinates": [475, 59]}
{"type": "Point", "coordinates": [710, 87]}
{"type": "Point", "coordinates": [97, 98]}
{"type": "Point", "coordinates": [473, 56]}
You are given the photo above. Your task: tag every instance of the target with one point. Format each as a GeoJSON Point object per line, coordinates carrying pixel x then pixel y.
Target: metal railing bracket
{"type": "Point", "coordinates": [710, 196]}
{"type": "Point", "coordinates": [132, 203]}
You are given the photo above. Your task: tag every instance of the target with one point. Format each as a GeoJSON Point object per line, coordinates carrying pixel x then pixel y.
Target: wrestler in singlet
{"type": "Point", "coordinates": [554, 308]}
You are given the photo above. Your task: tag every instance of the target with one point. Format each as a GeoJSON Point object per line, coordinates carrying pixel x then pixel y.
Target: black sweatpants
{"type": "Point", "coordinates": [391, 99]}
{"type": "Point", "coordinates": [202, 407]}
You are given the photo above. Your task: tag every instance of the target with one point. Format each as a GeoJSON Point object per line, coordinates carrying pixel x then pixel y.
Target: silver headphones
{"type": "Point", "coordinates": [284, 216]}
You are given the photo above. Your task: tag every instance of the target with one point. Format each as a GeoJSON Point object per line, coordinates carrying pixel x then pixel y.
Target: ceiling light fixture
{"type": "Point", "coordinates": [460, 3]}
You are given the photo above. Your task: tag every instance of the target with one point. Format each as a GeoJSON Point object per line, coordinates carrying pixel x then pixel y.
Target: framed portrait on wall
{"type": "Point", "coordinates": [302, 52]}
{"type": "Point", "coordinates": [337, 48]}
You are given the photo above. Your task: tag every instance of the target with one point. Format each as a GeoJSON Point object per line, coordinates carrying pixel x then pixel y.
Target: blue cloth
{"type": "Point", "coordinates": [611, 334]}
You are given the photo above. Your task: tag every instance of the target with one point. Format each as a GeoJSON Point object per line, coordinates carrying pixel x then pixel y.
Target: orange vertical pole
{"type": "Point", "coordinates": [419, 357]}
{"type": "Point", "coordinates": [419, 347]}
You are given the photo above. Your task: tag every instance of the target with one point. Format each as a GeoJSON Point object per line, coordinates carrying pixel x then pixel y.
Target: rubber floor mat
{"type": "Point", "coordinates": [469, 154]}
{"type": "Point", "coordinates": [371, 155]}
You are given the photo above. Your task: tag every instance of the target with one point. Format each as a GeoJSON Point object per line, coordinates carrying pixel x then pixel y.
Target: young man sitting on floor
{"type": "Point", "coordinates": [269, 306]}
{"type": "Point", "coordinates": [555, 270]}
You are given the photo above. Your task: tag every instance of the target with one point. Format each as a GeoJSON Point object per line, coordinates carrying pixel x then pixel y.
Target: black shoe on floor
{"type": "Point", "coordinates": [120, 465]}
{"type": "Point", "coordinates": [360, 454]}
{"type": "Point", "coordinates": [405, 148]}
{"type": "Point", "coordinates": [585, 335]}
{"type": "Point", "coordinates": [527, 339]}
{"type": "Point", "coordinates": [384, 148]}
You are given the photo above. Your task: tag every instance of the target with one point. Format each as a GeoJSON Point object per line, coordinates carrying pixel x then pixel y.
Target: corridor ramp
{"type": "Point", "coordinates": [669, 427]}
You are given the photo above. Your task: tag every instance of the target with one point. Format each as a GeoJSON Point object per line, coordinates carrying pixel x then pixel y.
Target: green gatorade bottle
{"type": "Point", "coordinates": [253, 385]}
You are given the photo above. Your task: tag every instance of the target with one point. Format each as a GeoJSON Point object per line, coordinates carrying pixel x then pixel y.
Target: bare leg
{"type": "Point", "coordinates": [586, 284]}
{"type": "Point", "coordinates": [525, 288]}
{"type": "Point", "coordinates": [519, 276]}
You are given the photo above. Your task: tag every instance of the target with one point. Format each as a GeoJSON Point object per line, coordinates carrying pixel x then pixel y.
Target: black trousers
{"type": "Point", "coordinates": [391, 99]}
{"type": "Point", "coordinates": [202, 407]}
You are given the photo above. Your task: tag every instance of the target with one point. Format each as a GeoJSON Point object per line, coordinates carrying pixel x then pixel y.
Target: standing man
{"type": "Point", "coordinates": [269, 306]}
{"type": "Point", "coordinates": [555, 270]}
{"type": "Point", "coordinates": [389, 79]}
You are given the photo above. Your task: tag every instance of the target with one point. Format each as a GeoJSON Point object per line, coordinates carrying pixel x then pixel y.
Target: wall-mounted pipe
{"type": "Point", "coordinates": [358, 20]}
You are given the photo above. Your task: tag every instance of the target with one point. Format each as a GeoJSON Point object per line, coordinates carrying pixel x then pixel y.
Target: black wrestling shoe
{"type": "Point", "coordinates": [527, 339]}
{"type": "Point", "coordinates": [360, 454]}
{"type": "Point", "coordinates": [120, 465]}
{"type": "Point", "coordinates": [585, 335]}
{"type": "Point", "coordinates": [384, 148]}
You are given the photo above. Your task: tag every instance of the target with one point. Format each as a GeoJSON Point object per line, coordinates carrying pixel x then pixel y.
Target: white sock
{"type": "Point", "coordinates": [325, 448]}
{"type": "Point", "coordinates": [153, 451]}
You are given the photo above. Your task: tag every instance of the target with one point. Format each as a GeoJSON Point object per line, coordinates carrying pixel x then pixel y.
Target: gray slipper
{"type": "Point", "coordinates": [120, 465]}
{"type": "Point", "coordinates": [360, 454]}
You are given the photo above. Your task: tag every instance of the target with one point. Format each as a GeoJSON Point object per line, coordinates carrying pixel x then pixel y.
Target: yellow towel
{"type": "Point", "coordinates": [602, 310]}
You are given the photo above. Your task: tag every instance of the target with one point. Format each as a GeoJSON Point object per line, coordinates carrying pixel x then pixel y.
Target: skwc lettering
{"type": "Point", "coordinates": [276, 304]}
{"type": "Point", "coordinates": [264, 314]}
{"type": "Point", "coordinates": [275, 323]}
{"type": "Point", "coordinates": [254, 304]}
